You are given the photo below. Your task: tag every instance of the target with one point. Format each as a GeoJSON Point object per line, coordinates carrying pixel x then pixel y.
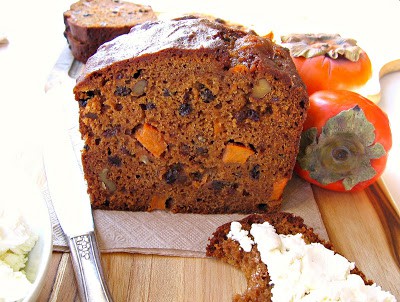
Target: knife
{"type": "Point", "coordinates": [69, 196]}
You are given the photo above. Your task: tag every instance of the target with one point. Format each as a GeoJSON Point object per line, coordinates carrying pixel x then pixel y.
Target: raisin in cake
{"type": "Point", "coordinates": [284, 260]}
{"type": "Point", "coordinates": [190, 116]}
{"type": "Point", "coordinates": [90, 23]}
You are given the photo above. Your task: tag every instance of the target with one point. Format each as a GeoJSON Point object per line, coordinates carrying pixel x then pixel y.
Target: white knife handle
{"type": "Point", "coordinates": [87, 267]}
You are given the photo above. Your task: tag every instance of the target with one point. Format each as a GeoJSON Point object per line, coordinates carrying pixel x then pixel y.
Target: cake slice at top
{"type": "Point", "coordinates": [90, 23]}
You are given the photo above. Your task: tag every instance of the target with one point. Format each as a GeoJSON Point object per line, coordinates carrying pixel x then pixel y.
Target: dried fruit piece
{"type": "Point", "coordinates": [206, 94]}
{"type": "Point", "coordinates": [235, 153]}
{"type": "Point", "coordinates": [218, 127]}
{"type": "Point", "coordinates": [247, 113]}
{"type": "Point", "coordinates": [239, 68]}
{"type": "Point", "coordinates": [148, 106]}
{"type": "Point", "coordinates": [151, 139]}
{"type": "Point", "coordinates": [122, 91]}
{"type": "Point", "coordinates": [196, 176]}
{"type": "Point", "coordinates": [110, 132]}
{"type": "Point", "coordinates": [255, 172]}
{"type": "Point", "coordinates": [278, 187]}
{"type": "Point", "coordinates": [158, 202]}
{"type": "Point", "coordinates": [115, 160]}
{"type": "Point", "coordinates": [218, 185]}
{"type": "Point", "coordinates": [185, 109]}
{"type": "Point", "coordinates": [174, 174]}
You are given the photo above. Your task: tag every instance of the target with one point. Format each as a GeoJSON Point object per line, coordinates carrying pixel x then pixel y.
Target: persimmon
{"type": "Point", "coordinates": [328, 61]}
{"type": "Point", "coordinates": [345, 141]}
{"type": "Point", "coordinates": [157, 202]}
{"type": "Point", "coordinates": [151, 139]}
{"type": "Point", "coordinates": [277, 189]}
{"type": "Point", "coordinates": [235, 153]}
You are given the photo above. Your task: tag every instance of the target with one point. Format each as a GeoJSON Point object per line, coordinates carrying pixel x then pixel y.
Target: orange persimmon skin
{"type": "Point", "coordinates": [325, 73]}
{"type": "Point", "coordinates": [328, 103]}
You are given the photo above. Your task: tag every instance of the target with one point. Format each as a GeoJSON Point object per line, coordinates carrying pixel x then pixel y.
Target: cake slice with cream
{"type": "Point", "coordinates": [284, 260]}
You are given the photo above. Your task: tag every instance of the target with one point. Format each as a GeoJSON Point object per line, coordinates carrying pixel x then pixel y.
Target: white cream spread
{"type": "Point", "coordinates": [240, 236]}
{"type": "Point", "coordinates": [305, 272]}
{"type": "Point", "coordinates": [16, 241]}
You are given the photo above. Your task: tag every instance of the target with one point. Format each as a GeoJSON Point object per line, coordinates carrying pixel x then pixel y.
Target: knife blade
{"type": "Point", "coordinates": [69, 196]}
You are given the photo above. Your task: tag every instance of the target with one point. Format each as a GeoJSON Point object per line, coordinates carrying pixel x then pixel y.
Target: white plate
{"type": "Point", "coordinates": [22, 193]}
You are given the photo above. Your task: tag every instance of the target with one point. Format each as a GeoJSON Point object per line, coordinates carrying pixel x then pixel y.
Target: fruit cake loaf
{"type": "Point", "coordinates": [284, 260]}
{"type": "Point", "coordinates": [189, 116]}
{"type": "Point", "coordinates": [90, 23]}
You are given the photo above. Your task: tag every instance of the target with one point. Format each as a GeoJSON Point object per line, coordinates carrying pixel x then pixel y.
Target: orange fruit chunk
{"type": "Point", "coordinates": [235, 153]}
{"type": "Point", "coordinates": [151, 139]}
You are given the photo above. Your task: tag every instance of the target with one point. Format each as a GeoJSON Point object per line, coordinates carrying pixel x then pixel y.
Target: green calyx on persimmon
{"type": "Point", "coordinates": [342, 151]}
